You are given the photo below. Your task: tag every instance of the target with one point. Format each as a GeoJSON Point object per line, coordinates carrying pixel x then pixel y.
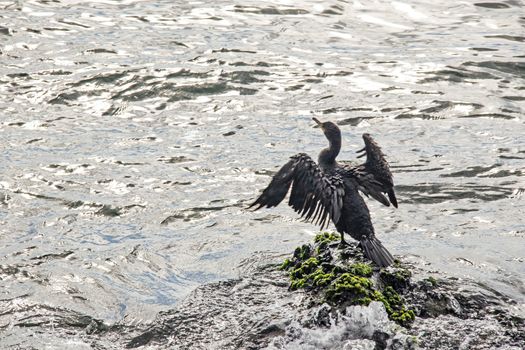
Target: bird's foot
{"type": "Point", "coordinates": [343, 244]}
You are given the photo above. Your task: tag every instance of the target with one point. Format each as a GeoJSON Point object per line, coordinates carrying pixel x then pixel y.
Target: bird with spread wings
{"type": "Point", "coordinates": [329, 191]}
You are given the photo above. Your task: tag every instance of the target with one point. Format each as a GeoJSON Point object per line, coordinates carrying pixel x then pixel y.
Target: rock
{"type": "Point", "coordinates": [358, 327]}
{"type": "Point", "coordinates": [324, 297]}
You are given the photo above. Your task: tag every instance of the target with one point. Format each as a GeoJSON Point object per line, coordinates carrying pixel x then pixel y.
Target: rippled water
{"type": "Point", "coordinates": [134, 133]}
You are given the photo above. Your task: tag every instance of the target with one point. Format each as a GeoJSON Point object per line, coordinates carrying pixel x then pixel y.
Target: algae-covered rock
{"type": "Point", "coordinates": [396, 277]}
{"type": "Point", "coordinates": [348, 279]}
{"type": "Point", "coordinates": [351, 289]}
{"type": "Point", "coordinates": [326, 237]}
{"type": "Point", "coordinates": [325, 297]}
{"type": "Point", "coordinates": [342, 279]}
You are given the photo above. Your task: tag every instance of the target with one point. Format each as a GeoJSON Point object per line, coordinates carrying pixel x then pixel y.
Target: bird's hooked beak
{"type": "Point", "coordinates": [318, 122]}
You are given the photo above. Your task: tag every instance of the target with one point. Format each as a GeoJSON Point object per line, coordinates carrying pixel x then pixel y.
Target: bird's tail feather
{"type": "Point", "coordinates": [375, 251]}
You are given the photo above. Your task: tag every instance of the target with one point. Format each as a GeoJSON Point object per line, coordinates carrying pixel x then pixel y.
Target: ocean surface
{"type": "Point", "coordinates": [134, 134]}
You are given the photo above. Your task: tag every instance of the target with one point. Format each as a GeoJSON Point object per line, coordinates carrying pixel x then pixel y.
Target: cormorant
{"type": "Point", "coordinates": [330, 190]}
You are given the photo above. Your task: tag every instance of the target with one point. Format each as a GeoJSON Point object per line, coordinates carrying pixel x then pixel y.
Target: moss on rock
{"type": "Point", "coordinates": [326, 237]}
{"type": "Point", "coordinates": [350, 282]}
{"type": "Point", "coordinates": [303, 252]}
{"type": "Point", "coordinates": [286, 264]}
{"type": "Point", "coordinates": [394, 305]}
{"type": "Point", "coordinates": [349, 288]}
{"type": "Point", "coordinates": [361, 269]}
{"type": "Point", "coordinates": [397, 277]}
{"type": "Point", "coordinates": [322, 279]}
{"type": "Point", "coordinates": [310, 274]}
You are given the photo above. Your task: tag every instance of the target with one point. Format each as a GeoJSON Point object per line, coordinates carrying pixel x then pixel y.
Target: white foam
{"type": "Point", "coordinates": [354, 330]}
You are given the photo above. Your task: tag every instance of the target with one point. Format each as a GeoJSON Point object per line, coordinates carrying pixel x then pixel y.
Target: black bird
{"type": "Point", "coordinates": [330, 190]}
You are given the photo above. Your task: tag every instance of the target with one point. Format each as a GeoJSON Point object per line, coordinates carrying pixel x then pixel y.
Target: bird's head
{"type": "Point", "coordinates": [330, 130]}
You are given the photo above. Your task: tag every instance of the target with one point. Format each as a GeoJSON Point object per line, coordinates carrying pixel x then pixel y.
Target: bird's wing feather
{"type": "Point", "coordinates": [374, 176]}
{"type": "Point", "coordinates": [315, 196]}
{"type": "Point", "coordinates": [278, 187]}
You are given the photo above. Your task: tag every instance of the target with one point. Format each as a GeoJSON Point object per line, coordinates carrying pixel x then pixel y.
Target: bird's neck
{"type": "Point", "coordinates": [328, 155]}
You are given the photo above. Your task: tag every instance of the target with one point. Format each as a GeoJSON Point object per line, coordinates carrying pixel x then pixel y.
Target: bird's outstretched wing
{"type": "Point", "coordinates": [374, 176]}
{"type": "Point", "coordinates": [316, 196]}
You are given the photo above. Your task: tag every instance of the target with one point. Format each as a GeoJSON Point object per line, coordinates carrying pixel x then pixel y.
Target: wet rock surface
{"type": "Point", "coordinates": [356, 306]}
{"type": "Point", "coordinates": [463, 314]}
{"type": "Point", "coordinates": [235, 314]}
{"type": "Point", "coordinates": [264, 309]}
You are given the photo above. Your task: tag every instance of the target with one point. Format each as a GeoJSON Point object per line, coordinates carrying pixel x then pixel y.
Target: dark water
{"type": "Point", "coordinates": [134, 134]}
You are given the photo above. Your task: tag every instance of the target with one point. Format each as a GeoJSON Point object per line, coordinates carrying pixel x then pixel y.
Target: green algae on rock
{"type": "Point", "coordinates": [347, 280]}
{"type": "Point", "coordinates": [327, 237]}
{"type": "Point", "coordinates": [397, 277]}
{"type": "Point", "coordinates": [361, 269]}
{"type": "Point", "coordinates": [395, 307]}
{"type": "Point", "coordinates": [350, 288]}
{"type": "Point", "coordinates": [344, 297]}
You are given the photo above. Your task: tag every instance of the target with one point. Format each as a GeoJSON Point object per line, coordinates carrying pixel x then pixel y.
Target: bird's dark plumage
{"type": "Point", "coordinates": [330, 191]}
{"type": "Point", "coordinates": [315, 196]}
{"type": "Point", "coordinates": [374, 176]}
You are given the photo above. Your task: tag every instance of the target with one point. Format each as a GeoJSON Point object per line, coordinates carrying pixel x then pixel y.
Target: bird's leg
{"type": "Point", "coordinates": [343, 243]}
